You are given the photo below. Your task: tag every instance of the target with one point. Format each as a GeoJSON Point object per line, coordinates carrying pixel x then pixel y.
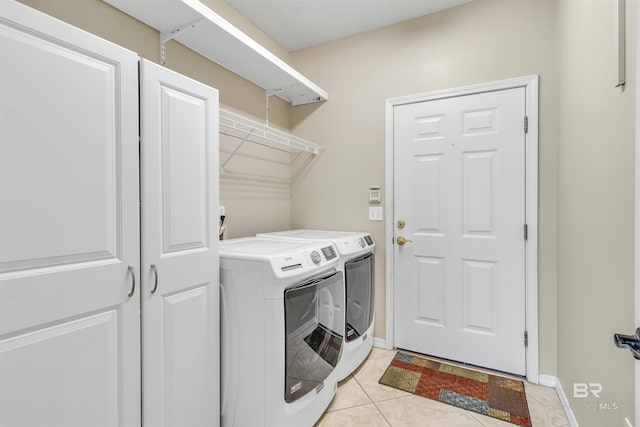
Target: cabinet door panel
{"type": "Point", "coordinates": [180, 319]}
{"type": "Point", "coordinates": [69, 225]}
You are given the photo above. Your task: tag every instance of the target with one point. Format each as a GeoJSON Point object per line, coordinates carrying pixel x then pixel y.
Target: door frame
{"type": "Point", "coordinates": [636, 255]}
{"type": "Point", "coordinates": [530, 84]}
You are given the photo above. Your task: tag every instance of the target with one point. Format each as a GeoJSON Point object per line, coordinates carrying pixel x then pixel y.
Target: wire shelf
{"type": "Point", "coordinates": [245, 129]}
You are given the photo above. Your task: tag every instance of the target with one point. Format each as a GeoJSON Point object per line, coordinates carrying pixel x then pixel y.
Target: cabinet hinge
{"type": "Point", "coordinates": [526, 124]}
{"type": "Point", "coordinates": [526, 232]}
{"type": "Point", "coordinates": [526, 339]}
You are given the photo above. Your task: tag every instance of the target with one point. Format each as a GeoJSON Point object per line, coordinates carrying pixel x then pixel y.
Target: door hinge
{"type": "Point", "coordinates": [526, 232]}
{"type": "Point", "coordinates": [526, 339]}
{"type": "Point", "coordinates": [526, 124]}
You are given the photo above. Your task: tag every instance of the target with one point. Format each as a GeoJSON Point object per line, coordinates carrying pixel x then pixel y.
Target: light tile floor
{"type": "Point", "coordinates": [361, 401]}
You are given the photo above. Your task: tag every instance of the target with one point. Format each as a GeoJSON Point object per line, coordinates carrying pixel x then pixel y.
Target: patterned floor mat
{"type": "Point", "coordinates": [481, 392]}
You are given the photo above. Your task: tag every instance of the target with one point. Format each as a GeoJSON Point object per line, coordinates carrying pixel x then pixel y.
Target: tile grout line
{"type": "Point", "coordinates": [382, 414]}
{"type": "Point", "coordinates": [371, 399]}
{"type": "Point", "coordinates": [375, 404]}
{"type": "Point", "coordinates": [371, 402]}
{"type": "Point", "coordinates": [479, 417]}
{"type": "Point", "coordinates": [540, 402]}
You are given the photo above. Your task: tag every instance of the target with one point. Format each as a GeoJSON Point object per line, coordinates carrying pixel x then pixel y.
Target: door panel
{"type": "Point", "coordinates": [179, 210]}
{"type": "Point", "coordinates": [69, 225]}
{"type": "Point", "coordinates": [430, 202]}
{"type": "Point", "coordinates": [460, 187]}
{"type": "Point", "coordinates": [431, 294]}
{"type": "Point", "coordinates": [479, 287]}
{"type": "Point", "coordinates": [187, 355]}
{"type": "Point", "coordinates": [477, 193]}
{"type": "Point", "coordinates": [184, 170]}
{"type": "Point", "coordinates": [94, 369]}
{"type": "Point", "coordinates": [81, 229]}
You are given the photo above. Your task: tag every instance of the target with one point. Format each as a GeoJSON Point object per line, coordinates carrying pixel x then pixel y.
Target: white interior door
{"type": "Point", "coordinates": [459, 187]}
{"type": "Point", "coordinates": [69, 226]}
{"type": "Point", "coordinates": [180, 271]}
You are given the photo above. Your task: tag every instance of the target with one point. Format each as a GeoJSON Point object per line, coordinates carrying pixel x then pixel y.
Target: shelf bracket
{"type": "Point", "coordinates": [235, 151]}
{"type": "Point", "coordinates": [274, 91]}
{"type": "Point", "coordinates": [165, 36]}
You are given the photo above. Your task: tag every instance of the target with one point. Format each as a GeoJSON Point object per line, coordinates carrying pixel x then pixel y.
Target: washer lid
{"type": "Point", "coordinates": [287, 258]}
{"type": "Point", "coordinates": [314, 234]}
{"type": "Point", "coordinates": [347, 242]}
{"type": "Point", "coordinates": [257, 246]}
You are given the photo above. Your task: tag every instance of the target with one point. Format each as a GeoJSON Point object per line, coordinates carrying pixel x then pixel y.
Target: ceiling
{"type": "Point", "coordinates": [297, 24]}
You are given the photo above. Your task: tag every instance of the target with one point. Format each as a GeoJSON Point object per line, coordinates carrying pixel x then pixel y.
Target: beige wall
{"type": "Point", "coordinates": [254, 187]}
{"type": "Point", "coordinates": [595, 209]}
{"type": "Point", "coordinates": [484, 41]}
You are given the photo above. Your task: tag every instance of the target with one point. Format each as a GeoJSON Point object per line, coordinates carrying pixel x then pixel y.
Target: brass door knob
{"type": "Point", "coordinates": [401, 240]}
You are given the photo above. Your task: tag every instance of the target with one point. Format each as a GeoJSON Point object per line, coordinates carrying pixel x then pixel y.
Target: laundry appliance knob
{"type": "Point", "coordinates": [315, 257]}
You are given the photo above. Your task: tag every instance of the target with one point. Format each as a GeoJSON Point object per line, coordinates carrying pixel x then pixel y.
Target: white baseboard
{"type": "Point", "coordinates": [380, 343]}
{"type": "Point", "coordinates": [551, 381]}
{"type": "Point", "coordinates": [547, 380]}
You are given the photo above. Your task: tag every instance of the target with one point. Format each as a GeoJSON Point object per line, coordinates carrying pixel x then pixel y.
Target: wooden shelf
{"type": "Point", "coordinates": [204, 31]}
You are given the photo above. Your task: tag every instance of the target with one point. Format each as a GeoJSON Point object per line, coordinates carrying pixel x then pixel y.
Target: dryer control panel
{"type": "Point", "coordinates": [322, 256]}
{"type": "Point", "coordinates": [354, 244]}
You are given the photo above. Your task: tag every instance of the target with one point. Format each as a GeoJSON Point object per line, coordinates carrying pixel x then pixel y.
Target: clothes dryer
{"type": "Point", "coordinates": [356, 251]}
{"type": "Point", "coordinates": [282, 329]}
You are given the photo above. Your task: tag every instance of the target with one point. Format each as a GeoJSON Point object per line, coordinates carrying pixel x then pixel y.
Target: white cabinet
{"type": "Point", "coordinates": [75, 258]}
{"type": "Point", "coordinates": [69, 332]}
{"type": "Point", "coordinates": [180, 316]}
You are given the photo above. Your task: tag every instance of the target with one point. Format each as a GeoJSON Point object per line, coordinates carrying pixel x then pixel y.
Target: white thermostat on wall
{"type": "Point", "coordinates": [374, 195]}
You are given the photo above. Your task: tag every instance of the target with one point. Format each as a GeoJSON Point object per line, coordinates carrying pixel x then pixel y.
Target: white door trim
{"type": "Point", "coordinates": [637, 212]}
{"type": "Point", "coordinates": [530, 84]}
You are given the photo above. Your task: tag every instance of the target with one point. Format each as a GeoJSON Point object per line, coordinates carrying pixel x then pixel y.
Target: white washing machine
{"type": "Point", "coordinates": [356, 251]}
{"type": "Point", "coordinates": [282, 329]}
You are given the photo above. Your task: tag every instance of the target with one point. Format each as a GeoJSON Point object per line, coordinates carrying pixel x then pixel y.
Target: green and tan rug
{"type": "Point", "coordinates": [476, 391]}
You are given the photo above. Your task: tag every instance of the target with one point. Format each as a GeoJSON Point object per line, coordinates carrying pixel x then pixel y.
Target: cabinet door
{"type": "Point", "coordinates": [179, 188]}
{"type": "Point", "coordinates": [69, 226]}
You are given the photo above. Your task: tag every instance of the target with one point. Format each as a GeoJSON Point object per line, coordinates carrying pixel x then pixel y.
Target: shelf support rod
{"type": "Point", "coordinates": [165, 36]}
{"type": "Point", "coordinates": [275, 91]}
{"type": "Point", "coordinates": [266, 106]}
{"type": "Point", "coordinates": [621, 44]}
{"type": "Point", "coordinates": [236, 150]}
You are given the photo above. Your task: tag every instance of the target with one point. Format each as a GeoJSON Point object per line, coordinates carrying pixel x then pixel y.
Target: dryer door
{"type": "Point", "coordinates": [360, 285]}
{"type": "Point", "coordinates": [314, 326]}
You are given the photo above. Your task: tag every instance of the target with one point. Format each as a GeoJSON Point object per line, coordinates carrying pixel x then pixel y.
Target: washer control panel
{"type": "Point", "coordinates": [329, 252]}
{"type": "Point", "coordinates": [310, 259]}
